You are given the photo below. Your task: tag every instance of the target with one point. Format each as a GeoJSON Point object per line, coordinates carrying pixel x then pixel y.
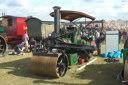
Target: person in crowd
{"type": "Point", "coordinates": [124, 34]}
{"type": "Point", "coordinates": [20, 48]}
{"type": "Point", "coordinates": [25, 39]}
{"type": "Point", "coordinates": [91, 33]}
{"type": "Point", "coordinates": [102, 33]}
{"type": "Point", "coordinates": [97, 34]}
{"type": "Point", "coordinates": [98, 41]}
{"type": "Point", "coordinates": [120, 34]}
{"type": "Point", "coordinates": [127, 36]}
{"type": "Point", "coordinates": [33, 44]}
{"type": "Point", "coordinates": [84, 33]}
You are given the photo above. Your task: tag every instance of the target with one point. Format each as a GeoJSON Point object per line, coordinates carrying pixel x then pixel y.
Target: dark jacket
{"type": "Point", "coordinates": [33, 44]}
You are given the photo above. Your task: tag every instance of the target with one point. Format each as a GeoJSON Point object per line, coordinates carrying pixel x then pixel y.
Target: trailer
{"type": "Point", "coordinates": [14, 27]}
{"type": "Point", "coordinates": [38, 29]}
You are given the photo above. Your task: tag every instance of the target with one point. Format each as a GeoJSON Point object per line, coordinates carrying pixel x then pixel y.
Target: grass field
{"type": "Point", "coordinates": [15, 70]}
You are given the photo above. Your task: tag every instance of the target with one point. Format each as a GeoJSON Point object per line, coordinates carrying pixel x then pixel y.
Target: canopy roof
{"type": "Point", "coordinates": [72, 15]}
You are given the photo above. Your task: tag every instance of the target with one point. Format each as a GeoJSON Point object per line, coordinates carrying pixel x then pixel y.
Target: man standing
{"type": "Point", "coordinates": [25, 39]}
{"type": "Point", "coordinates": [97, 34]}
{"type": "Point", "coordinates": [98, 42]}
{"type": "Point", "coordinates": [120, 34]}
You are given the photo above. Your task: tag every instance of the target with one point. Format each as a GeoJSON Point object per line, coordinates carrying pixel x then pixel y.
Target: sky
{"type": "Point", "coordinates": [100, 9]}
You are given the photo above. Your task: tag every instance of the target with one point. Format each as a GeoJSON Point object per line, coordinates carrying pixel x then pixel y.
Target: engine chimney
{"type": "Point", "coordinates": [56, 19]}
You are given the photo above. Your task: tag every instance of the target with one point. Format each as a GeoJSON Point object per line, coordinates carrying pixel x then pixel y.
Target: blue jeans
{"type": "Point", "coordinates": [17, 50]}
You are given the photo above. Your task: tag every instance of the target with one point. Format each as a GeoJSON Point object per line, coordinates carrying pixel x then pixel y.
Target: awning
{"type": "Point", "coordinates": [72, 15]}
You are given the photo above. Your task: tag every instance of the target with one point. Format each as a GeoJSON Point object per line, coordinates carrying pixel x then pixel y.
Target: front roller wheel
{"type": "Point", "coordinates": [62, 66]}
{"type": "Point", "coordinates": [49, 64]}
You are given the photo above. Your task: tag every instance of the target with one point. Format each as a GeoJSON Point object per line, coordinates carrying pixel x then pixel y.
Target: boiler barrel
{"type": "Point", "coordinates": [46, 64]}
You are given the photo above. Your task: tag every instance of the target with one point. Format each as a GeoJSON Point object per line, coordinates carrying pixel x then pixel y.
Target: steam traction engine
{"type": "Point", "coordinates": [62, 47]}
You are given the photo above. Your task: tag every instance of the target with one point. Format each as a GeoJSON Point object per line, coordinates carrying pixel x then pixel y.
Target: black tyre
{"type": "Point", "coordinates": [62, 66]}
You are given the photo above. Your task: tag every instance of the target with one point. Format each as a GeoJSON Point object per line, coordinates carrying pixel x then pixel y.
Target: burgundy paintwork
{"type": "Point", "coordinates": [18, 28]}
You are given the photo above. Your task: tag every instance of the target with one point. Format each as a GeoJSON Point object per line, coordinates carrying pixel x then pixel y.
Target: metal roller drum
{"type": "Point", "coordinates": [49, 64]}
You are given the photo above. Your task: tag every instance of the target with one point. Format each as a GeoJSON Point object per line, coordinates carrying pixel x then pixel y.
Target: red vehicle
{"type": "Point", "coordinates": [14, 27]}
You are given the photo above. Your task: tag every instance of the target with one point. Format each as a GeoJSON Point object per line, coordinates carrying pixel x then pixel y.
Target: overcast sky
{"type": "Point", "coordinates": [100, 9]}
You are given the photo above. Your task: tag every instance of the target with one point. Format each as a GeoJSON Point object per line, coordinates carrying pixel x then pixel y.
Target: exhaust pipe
{"type": "Point", "coordinates": [56, 19]}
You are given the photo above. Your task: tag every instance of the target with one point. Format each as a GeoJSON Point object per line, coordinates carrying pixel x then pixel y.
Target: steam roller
{"type": "Point", "coordinates": [61, 48]}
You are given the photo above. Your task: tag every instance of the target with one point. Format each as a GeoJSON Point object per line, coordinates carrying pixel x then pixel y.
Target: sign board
{"type": "Point", "coordinates": [112, 41]}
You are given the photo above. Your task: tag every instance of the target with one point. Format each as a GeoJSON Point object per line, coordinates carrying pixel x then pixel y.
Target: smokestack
{"type": "Point", "coordinates": [56, 19]}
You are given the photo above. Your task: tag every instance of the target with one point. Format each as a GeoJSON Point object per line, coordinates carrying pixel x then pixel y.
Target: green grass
{"type": "Point", "coordinates": [15, 70]}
